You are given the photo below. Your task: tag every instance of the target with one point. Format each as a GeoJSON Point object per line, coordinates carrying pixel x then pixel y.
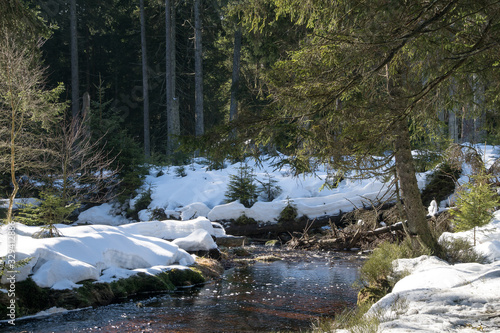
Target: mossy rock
{"type": "Point", "coordinates": [244, 220]}
{"type": "Point", "coordinates": [289, 213]}
{"type": "Point", "coordinates": [272, 243]}
{"type": "Point", "coordinates": [240, 252]}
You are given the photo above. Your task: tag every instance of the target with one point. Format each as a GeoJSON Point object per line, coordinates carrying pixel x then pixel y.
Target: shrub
{"type": "Point", "coordinates": [51, 210]}
{"type": "Point", "coordinates": [242, 187]}
{"type": "Point", "coordinates": [459, 250]}
{"type": "Point", "coordinates": [244, 220]}
{"type": "Point", "coordinates": [158, 214]}
{"type": "Point", "coordinates": [332, 180]}
{"type": "Point", "coordinates": [476, 202]}
{"type": "Point", "coordinates": [379, 264]}
{"type": "Point", "coordinates": [289, 213]}
{"type": "Point", "coordinates": [142, 203]}
{"type": "Point", "coordinates": [351, 320]}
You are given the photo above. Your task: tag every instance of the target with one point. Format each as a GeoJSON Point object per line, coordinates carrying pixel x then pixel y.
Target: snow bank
{"type": "Point", "coordinates": [103, 253]}
{"type": "Point", "coordinates": [170, 229]}
{"type": "Point", "coordinates": [438, 297]}
{"type": "Point", "coordinates": [199, 240]}
{"type": "Point", "coordinates": [101, 215]}
{"type": "Point", "coordinates": [202, 193]}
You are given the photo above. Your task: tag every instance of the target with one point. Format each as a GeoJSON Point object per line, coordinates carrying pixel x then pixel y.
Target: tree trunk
{"type": "Point", "coordinates": [233, 108]}
{"type": "Point", "coordinates": [417, 222]}
{"type": "Point", "coordinates": [479, 111]}
{"type": "Point", "coordinates": [171, 135]}
{"type": "Point", "coordinates": [467, 126]}
{"type": "Point", "coordinates": [75, 105]}
{"type": "Point", "coordinates": [145, 85]}
{"type": "Point", "coordinates": [453, 126]}
{"type": "Point", "coordinates": [198, 71]}
{"type": "Point", "coordinates": [15, 184]}
{"type": "Point", "coordinates": [176, 123]}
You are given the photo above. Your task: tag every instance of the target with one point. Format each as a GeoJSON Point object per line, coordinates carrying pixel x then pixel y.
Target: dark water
{"type": "Point", "coordinates": [283, 295]}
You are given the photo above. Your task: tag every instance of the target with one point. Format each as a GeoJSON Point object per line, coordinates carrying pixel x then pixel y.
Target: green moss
{"type": "Point", "coordinates": [244, 220]}
{"type": "Point", "coordinates": [30, 298]}
{"type": "Point", "coordinates": [288, 214]}
{"type": "Point", "coordinates": [185, 277]}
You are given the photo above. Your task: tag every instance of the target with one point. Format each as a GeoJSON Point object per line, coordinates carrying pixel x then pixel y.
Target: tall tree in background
{"type": "Point", "coordinates": [173, 128]}
{"type": "Point", "coordinates": [75, 82]}
{"type": "Point", "coordinates": [235, 78]}
{"type": "Point", "coordinates": [145, 85]}
{"type": "Point", "coordinates": [198, 70]}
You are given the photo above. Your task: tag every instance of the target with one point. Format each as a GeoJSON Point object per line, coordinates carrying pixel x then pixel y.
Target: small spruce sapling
{"type": "Point", "coordinates": [50, 211]}
{"type": "Point", "coordinates": [476, 202]}
{"type": "Point", "coordinates": [268, 189]}
{"type": "Point", "coordinates": [242, 187]}
{"type": "Point", "coordinates": [180, 171]}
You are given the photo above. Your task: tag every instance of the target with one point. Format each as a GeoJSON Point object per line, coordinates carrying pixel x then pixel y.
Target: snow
{"type": "Point", "coordinates": [438, 297]}
{"type": "Point", "coordinates": [433, 208]}
{"type": "Point", "coordinates": [101, 215]}
{"type": "Point", "coordinates": [202, 193]}
{"type": "Point", "coordinates": [434, 296]}
{"type": "Point", "coordinates": [88, 252]}
{"type": "Point", "coordinates": [200, 239]}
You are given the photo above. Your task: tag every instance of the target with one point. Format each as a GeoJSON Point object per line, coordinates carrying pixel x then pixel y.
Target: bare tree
{"type": "Point", "coordinates": [27, 111]}
{"type": "Point", "coordinates": [84, 168]}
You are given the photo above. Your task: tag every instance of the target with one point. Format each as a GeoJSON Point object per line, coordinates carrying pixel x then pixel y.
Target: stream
{"type": "Point", "coordinates": [284, 295]}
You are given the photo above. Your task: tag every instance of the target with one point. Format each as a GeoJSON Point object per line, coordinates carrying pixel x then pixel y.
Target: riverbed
{"type": "Point", "coordinates": [283, 295]}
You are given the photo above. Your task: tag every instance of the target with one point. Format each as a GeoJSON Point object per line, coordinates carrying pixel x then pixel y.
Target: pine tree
{"type": "Point", "coordinates": [268, 189]}
{"type": "Point", "coordinates": [242, 187]}
{"type": "Point", "coordinates": [476, 203]}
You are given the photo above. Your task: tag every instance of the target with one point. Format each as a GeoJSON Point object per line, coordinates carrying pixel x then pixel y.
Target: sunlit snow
{"type": "Point", "coordinates": [434, 297]}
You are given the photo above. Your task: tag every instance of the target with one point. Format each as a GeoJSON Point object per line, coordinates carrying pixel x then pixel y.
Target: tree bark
{"type": "Point", "coordinates": [145, 85]}
{"type": "Point", "coordinates": [417, 222]}
{"type": "Point", "coordinates": [233, 108]}
{"type": "Point", "coordinates": [75, 83]}
{"type": "Point", "coordinates": [198, 75]}
{"type": "Point", "coordinates": [169, 74]}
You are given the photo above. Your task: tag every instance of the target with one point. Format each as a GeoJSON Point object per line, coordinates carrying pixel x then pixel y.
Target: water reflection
{"type": "Point", "coordinates": [283, 295]}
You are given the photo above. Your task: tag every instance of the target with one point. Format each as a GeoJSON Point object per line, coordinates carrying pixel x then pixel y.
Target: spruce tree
{"type": "Point", "coordinates": [242, 187]}
{"type": "Point", "coordinates": [476, 202]}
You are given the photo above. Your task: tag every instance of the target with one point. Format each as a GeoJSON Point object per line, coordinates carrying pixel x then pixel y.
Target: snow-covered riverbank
{"type": "Point", "coordinates": [439, 297]}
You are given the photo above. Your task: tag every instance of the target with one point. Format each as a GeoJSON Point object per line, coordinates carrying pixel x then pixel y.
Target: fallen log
{"type": "Point", "coordinates": [383, 230]}
{"type": "Point", "coordinates": [348, 241]}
